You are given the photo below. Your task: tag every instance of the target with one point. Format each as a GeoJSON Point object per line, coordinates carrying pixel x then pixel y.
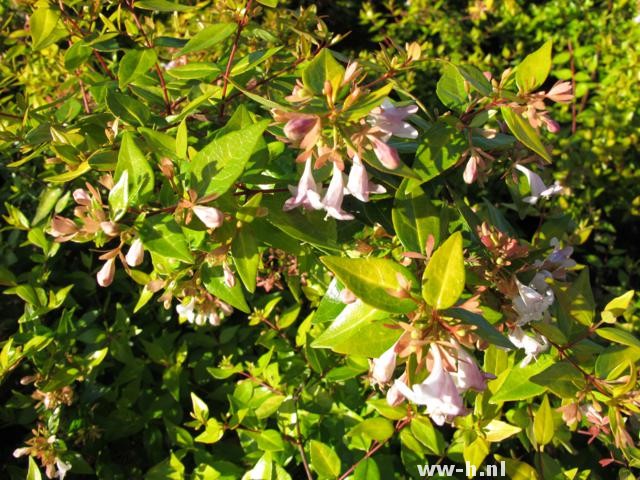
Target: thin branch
{"type": "Point", "coordinates": [241, 24]}
{"type": "Point", "coordinates": [574, 115]}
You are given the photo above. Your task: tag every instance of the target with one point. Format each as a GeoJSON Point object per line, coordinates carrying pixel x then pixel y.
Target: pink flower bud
{"type": "Point", "coordinates": [298, 127]}
{"type": "Point", "coordinates": [106, 273]}
{"type": "Point", "coordinates": [135, 255]}
{"type": "Point", "coordinates": [561, 92]}
{"type": "Point", "coordinates": [387, 155]}
{"type": "Point", "coordinates": [471, 170]}
{"type": "Point", "coordinates": [384, 366]}
{"type": "Point", "coordinates": [229, 277]}
{"type": "Point", "coordinates": [210, 216]}
{"type": "Point", "coordinates": [110, 228]}
{"type": "Point", "coordinates": [81, 197]}
{"type": "Point", "coordinates": [62, 227]}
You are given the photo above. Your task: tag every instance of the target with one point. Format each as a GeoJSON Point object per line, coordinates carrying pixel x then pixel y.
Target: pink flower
{"type": "Point", "coordinates": [438, 392]}
{"type": "Point", "coordinates": [537, 186]}
{"type": "Point", "coordinates": [229, 278]}
{"type": "Point", "coordinates": [210, 216]}
{"type": "Point", "coordinates": [135, 255]}
{"type": "Point", "coordinates": [106, 273]}
{"type": "Point", "coordinates": [394, 395]}
{"type": "Point", "coordinates": [63, 229]}
{"type": "Point", "coordinates": [561, 92]}
{"type": "Point", "coordinates": [358, 183]}
{"type": "Point", "coordinates": [332, 201]}
{"type": "Point", "coordinates": [110, 228]}
{"type": "Point", "coordinates": [532, 301]}
{"type": "Point", "coordinates": [387, 155]}
{"type": "Point", "coordinates": [531, 344]}
{"type": "Point", "coordinates": [307, 193]}
{"type": "Point", "coordinates": [471, 170]}
{"type": "Point", "coordinates": [299, 126]}
{"type": "Point", "coordinates": [384, 365]}
{"type": "Point", "coordinates": [351, 73]}
{"type": "Point", "coordinates": [469, 375]}
{"type": "Point", "coordinates": [81, 197]}
{"type": "Point", "coordinates": [390, 119]}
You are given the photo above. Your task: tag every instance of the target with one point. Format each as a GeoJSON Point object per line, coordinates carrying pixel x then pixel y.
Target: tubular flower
{"type": "Point", "coordinates": [438, 392]}
{"type": "Point", "coordinates": [387, 155]}
{"type": "Point", "coordinates": [537, 186]}
{"type": "Point", "coordinates": [532, 345]}
{"type": "Point", "coordinates": [469, 376]}
{"type": "Point", "coordinates": [530, 304]}
{"type": "Point", "coordinates": [390, 119]}
{"type": "Point", "coordinates": [193, 315]}
{"type": "Point", "coordinates": [106, 273]}
{"type": "Point", "coordinates": [210, 216]}
{"type": "Point", "coordinates": [332, 201]}
{"type": "Point", "coordinates": [135, 255]}
{"type": "Point", "coordinates": [358, 183]}
{"type": "Point", "coordinates": [307, 193]}
{"type": "Point", "coordinates": [384, 365]}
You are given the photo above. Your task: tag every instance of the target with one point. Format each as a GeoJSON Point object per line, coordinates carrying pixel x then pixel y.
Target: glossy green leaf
{"type": "Point", "coordinates": [208, 37]}
{"type": "Point", "coordinates": [134, 64]}
{"type": "Point", "coordinates": [483, 329]}
{"type": "Point", "coordinates": [514, 383]}
{"type": "Point", "coordinates": [163, 236]}
{"type": "Point", "coordinates": [43, 24]}
{"type": "Point", "coordinates": [161, 6]}
{"type": "Point", "coordinates": [132, 160]}
{"type": "Point", "coordinates": [77, 55]}
{"type": "Point", "coordinates": [450, 88]}
{"type": "Point", "coordinates": [440, 149]}
{"type": "Point", "coordinates": [428, 435]}
{"type": "Point", "coordinates": [543, 428]}
{"type": "Point", "coordinates": [444, 277]}
{"type": "Point", "coordinates": [534, 69]}
{"type": "Point", "coordinates": [324, 460]}
{"type": "Point", "coordinates": [476, 79]}
{"type": "Point", "coordinates": [130, 110]}
{"type": "Point", "coordinates": [34, 472]}
{"type": "Point", "coordinates": [119, 197]}
{"type": "Point", "coordinates": [213, 432]}
{"type": "Point", "coordinates": [213, 280]}
{"type": "Point", "coordinates": [246, 257]}
{"type": "Point", "coordinates": [322, 68]}
{"type": "Point", "coordinates": [377, 428]}
{"type": "Point", "coordinates": [524, 132]}
{"type": "Point", "coordinates": [367, 470]}
{"type": "Point", "coordinates": [620, 336]}
{"type": "Point", "coordinates": [375, 281]}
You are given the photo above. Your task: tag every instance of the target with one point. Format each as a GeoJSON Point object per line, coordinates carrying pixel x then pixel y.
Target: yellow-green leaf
{"type": "Point", "coordinates": [443, 279]}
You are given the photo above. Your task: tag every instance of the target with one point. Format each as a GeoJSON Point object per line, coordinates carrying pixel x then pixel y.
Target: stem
{"type": "Point", "coordinates": [573, 88]}
{"type": "Point", "coordinates": [241, 24]}
{"type": "Point", "coordinates": [83, 91]}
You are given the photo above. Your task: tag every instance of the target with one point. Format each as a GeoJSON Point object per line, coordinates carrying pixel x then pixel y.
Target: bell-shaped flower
{"type": "Point", "coordinates": [135, 255]}
{"type": "Point", "coordinates": [81, 197]}
{"type": "Point", "coordinates": [394, 395]}
{"type": "Point", "coordinates": [187, 310]}
{"type": "Point", "coordinates": [358, 183]}
{"type": "Point", "coordinates": [307, 193]}
{"type": "Point", "coordinates": [229, 277]}
{"type": "Point", "coordinates": [438, 392]}
{"type": "Point", "coordinates": [532, 345]}
{"type": "Point", "coordinates": [210, 216]}
{"type": "Point", "coordinates": [531, 303]}
{"type": "Point", "coordinates": [106, 273]}
{"type": "Point", "coordinates": [390, 119]}
{"type": "Point", "coordinates": [469, 376]}
{"type": "Point", "coordinates": [470, 174]}
{"type": "Point", "coordinates": [387, 155]}
{"type": "Point", "coordinates": [537, 186]}
{"type": "Point", "coordinates": [561, 92]}
{"type": "Point", "coordinates": [332, 201]}
{"type": "Point", "coordinates": [384, 365]}
{"type": "Point", "coordinates": [63, 229]}
{"type": "Point", "coordinates": [299, 126]}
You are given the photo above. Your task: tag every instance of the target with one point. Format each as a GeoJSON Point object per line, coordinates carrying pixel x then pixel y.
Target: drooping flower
{"type": "Point", "coordinates": [394, 395]}
{"type": "Point", "coordinates": [106, 273]}
{"type": "Point", "coordinates": [561, 92]}
{"type": "Point", "coordinates": [63, 229]}
{"type": "Point", "coordinates": [387, 155]}
{"type": "Point", "coordinates": [81, 197]}
{"type": "Point", "coordinates": [532, 301]}
{"type": "Point", "coordinates": [332, 201]}
{"type": "Point", "coordinates": [358, 183]}
{"type": "Point", "coordinates": [471, 170]}
{"type": "Point", "coordinates": [299, 126]}
{"type": "Point", "coordinates": [390, 119]}
{"type": "Point", "coordinates": [384, 365]}
{"type": "Point", "coordinates": [533, 344]}
{"type": "Point", "coordinates": [307, 193]}
{"type": "Point", "coordinates": [469, 376]}
{"type": "Point", "coordinates": [135, 255]}
{"type": "Point", "coordinates": [194, 315]}
{"type": "Point", "coordinates": [438, 392]}
{"type": "Point", "coordinates": [210, 216]}
{"type": "Point", "coordinates": [537, 186]}
{"type": "Point", "coordinates": [229, 277]}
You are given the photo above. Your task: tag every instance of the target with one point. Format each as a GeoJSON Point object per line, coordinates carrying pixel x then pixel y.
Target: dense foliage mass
{"type": "Point", "coordinates": [240, 242]}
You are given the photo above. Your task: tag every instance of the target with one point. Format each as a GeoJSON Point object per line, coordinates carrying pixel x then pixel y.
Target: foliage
{"type": "Point", "coordinates": [195, 288]}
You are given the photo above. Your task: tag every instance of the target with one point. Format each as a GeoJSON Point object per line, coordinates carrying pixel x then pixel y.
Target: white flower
{"type": "Point", "coordinates": [210, 216]}
{"type": "Point", "coordinates": [384, 365]}
{"type": "Point", "coordinates": [106, 273]}
{"type": "Point", "coordinates": [538, 188]}
{"type": "Point", "coordinates": [390, 119]}
{"type": "Point", "coordinates": [438, 392]}
{"type": "Point", "coordinates": [358, 183]}
{"type": "Point", "coordinates": [532, 301]}
{"type": "Point", "coordinates": [532, 345]}
{"type": "Point", "coordinates": [469, 376]}
{"type": "Point", "coordinates": [63, 468]}
{"type": "Point", "coordinates": [332, 201]}
{"type": "Point", "coordinates": [307, 193]}
{"type": "Point", "coordinates": [135, 255]}
{"type": "Point", "coordinates": [187, 311]}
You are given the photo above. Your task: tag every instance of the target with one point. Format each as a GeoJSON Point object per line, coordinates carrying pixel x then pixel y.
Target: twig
{"type": "Point", "coordinates": [241, 24]}
{"type": "Point", "coordinates": [83, 91]}
{"type": "Point", "coordinates": [572, 65]}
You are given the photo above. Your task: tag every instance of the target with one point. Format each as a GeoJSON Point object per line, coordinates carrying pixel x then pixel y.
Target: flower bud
{"type": "Point", "coordinates": [106, 273]}
{"type": "Point", "coordinates": [135, 255]}
{"type": "Point", "coordinates": [210, 216]}
{"type": "Point", "coordinates": [298, 127]}
{"type": "Point", "coordinates": [229, 277]}
{"type": "Point", "coordinates": [81, 197]}
{"type": "Point", "coordinates": [110, 228]}
{"type": "Point", "coordinates": [387, 155]}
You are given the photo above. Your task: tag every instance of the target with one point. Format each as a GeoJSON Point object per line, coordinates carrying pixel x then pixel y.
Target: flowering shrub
{"type": "Point", "coordinates": [229, 251]}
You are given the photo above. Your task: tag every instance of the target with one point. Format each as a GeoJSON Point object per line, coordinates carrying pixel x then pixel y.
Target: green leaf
{"type": "Point", "coordinates": [323, 68]}
{"type": "Point", "coordinates": [617, 307]}
{"type": "Point", "coordinates": [620, 336]}
{"type": "Point", "coordinates": [517, 470]}
{"type": "Point", "coordinates": [200, 409]}
{"type": "Point", "coordinates": [269, 3]}
{"type": "Point", "coordinates": [561, 378]}
{"type": "Point", "coordinates": [218, 165]}
{"type": "Point", "coordinates": [358, 330]}
{"type": "Point", "coordinates": [34, 472]}
{"type": "Point", "coordinates": [134, 64]}
{"type": "Point", "coordinates": [128, 108]}
{"type": "Point", "coordinates": [213, 280]}
{"type": "Point", "coordinates": [378, 428]}
{"type": "Point", "coordinates": [195, 71]}
{"type": "Point", "coordinates": [163, 236]}
{"type": "Point", "coordinates": [182, 140]}
{"type": "Point", "coordinates": [534, 69]}
{"type": "Point", "coordinates": [132, 160]}
{"type": "Point", "coordinates": [496, 430]}
{"type": "Point", "coordinates": [373, 280]}
{"type": "Point", "coordinates": [440, 149]}
{"type": "Point", "coordinates": [213, 432]}
{"type": "Point", "coordinates": [415, 217]}
{"type": "Point", "coordinates": [324, 460]}
{"type": "Point", "coordinates": [161, 6]}
{"type": "Point", "coordinates": [246, 257]}
{"type": "Point", "coordinates": [208, 37]}
{"type": "Point", "coordinates": [483, 329]}
{"type": "Point", "coordinates": [450, 88]}
{"type": "Point", "coordinates": [65, 177]}
{"type": "Point", "coordinates": [543, 429]}
{"type": "Point", "coordinates": [119, 197]}
{"type": "Point", "coordinates": [77, 54]}
{"type": "Point", "coordinates": [367, 470]}
{"type": "Point", "coordinates": [169, 469]}
{"type": "Point", "coordinates": [443, 279]}
{"type": "Point", "coordinates": [524, 132]}
{"type": "Point", "coordinates": [429, 436]}
{"type": "Point", "coordinates": [517, 385]}
{"type": "Point", "coordinates": [43, 27]}
{"type": "Point", "coordinates": [476, 79]}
